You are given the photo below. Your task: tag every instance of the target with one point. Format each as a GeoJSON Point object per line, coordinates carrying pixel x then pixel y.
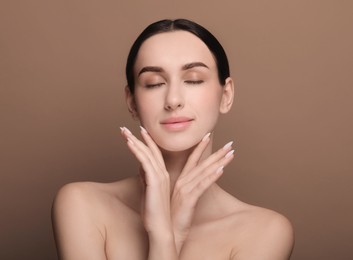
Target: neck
{"type": "Point", "coordinates": [175, 161]}
{"type": "Point", "coordinates": [209, 205]}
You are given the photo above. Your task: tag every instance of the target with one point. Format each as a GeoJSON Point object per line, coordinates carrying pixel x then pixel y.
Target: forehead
{"type": "Point", "coordinates": [173, 49]}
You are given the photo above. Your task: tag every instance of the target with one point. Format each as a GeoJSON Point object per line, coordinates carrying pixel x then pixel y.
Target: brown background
{"type": "Point", "coordinates": [61, 102]}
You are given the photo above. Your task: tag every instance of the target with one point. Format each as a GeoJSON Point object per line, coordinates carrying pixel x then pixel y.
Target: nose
{"type": "Point", "coordinates": [174, 98]}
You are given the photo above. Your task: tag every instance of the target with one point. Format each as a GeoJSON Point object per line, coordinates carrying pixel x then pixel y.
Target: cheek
{"type": "Point", "coordinates": [208, 104]}
{"type": "Point", "coordinates": [209, 101]}
{"type": "Point", "coordinates": [147, 108]}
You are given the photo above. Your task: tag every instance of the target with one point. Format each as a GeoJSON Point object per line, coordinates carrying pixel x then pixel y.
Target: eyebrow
{"type": "Point", "coordinates": [193, 65]}
{"type": "Point", "coordinates": [185, 67]}
{"type": "Point", "coordinates": [150, 69]}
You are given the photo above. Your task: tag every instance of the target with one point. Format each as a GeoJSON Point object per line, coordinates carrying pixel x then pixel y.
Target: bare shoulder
{"type": "Point", "coordinates": [86, 195]}
{"type": "Point", "coordinates": [79, 215]}
{"type": "Point", "coordinates": [266, 234]}
{"type": "Point", "coordinates": [77, 196]}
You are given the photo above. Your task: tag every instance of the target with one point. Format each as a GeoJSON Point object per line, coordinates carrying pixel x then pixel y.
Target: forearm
{"type": "Point", "coordinates": [162, 246]}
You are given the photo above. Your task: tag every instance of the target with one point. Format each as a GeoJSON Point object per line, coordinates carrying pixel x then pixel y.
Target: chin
{"type": "Point", "coordinates": [177, 145]}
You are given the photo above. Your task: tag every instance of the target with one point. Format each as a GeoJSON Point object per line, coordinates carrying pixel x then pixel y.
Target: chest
{"type": "Point", "coordinates": [127, 239]}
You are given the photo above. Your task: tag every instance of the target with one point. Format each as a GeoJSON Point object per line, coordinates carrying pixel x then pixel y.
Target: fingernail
{"type": "Point", "coordinates": [220, 170]}
{"type": "Point", "coordinates": [121, 129]}
{"type": "Point", "coordinates": [127, 131]}
{"type": "Point", "coordinates": [228, 145]}
{"type": "Point", "coordinates": [143, 130]}
{"type": "Point", "coordinates": [229, 154]}
{"type": "Point", "coordinates": [206, 137]}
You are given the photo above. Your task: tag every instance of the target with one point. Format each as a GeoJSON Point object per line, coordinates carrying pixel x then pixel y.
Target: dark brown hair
{"type": "Point", "coordinates": [172, 25]}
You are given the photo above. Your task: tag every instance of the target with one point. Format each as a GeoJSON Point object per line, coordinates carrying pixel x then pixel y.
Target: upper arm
{"type": "Point", "coordinates": [278, 240]}
{"type": "Point", "coordinates": [75, 227]}
{"type": "Point", "coordinates": [273, 241]}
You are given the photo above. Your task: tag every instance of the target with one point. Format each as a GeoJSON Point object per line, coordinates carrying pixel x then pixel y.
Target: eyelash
{"type": "Point", "coordinates": [194, 82]}
{"type": "Point", "coordinates": [191, 82]}
{"type": "Point", "coordinates": [154, 85]}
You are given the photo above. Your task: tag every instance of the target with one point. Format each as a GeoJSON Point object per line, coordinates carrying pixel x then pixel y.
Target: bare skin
{"type": "Point", "coordinates": [104, 221]}
{"type": "Point", "coordinates": [173, 209]}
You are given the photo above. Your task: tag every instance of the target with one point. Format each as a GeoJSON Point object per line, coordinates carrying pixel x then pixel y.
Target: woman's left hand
{"type": "Point", "coordinates": [196, 177]}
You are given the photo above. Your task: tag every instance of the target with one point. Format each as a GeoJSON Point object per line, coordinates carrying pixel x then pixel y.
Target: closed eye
{"type": "Point", "coordinates": [194, 82]}
{"type": "Point", "coordinates": [154, 85]}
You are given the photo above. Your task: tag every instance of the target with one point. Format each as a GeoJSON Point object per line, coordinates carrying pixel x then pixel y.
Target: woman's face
{"type": "Point", "coordinates": [178, 96]}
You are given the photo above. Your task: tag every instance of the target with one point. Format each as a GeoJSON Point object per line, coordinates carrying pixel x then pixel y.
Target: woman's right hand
{"type": "Point", "coordinates": [156, 184]}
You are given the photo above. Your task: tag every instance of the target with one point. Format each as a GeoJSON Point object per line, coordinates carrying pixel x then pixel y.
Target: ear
{"type": "Point", "coordinates": [131, 104]}
{"type": "Point", "coordinates": [227, 96]}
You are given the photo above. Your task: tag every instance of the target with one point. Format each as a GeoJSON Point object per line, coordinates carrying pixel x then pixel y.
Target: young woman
{"type": "Point", "coordinates": [178, 85]}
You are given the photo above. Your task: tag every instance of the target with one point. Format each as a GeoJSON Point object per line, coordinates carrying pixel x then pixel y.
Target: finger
{"type": "Point", "coordinates": [140, 145]}
{"type": "Point", "coordinates": [153, 175]}
{"type": "Point", "coordinates": [143, 159]}
{"type": "Point", "coordinates": [152, 145]}
{"type": "Point", "coordinates": [217, 166]}
{"type": "Point", "coordinates": [218, 155]}
{"type": "Point", "coordinates": [142, 153]}
{"type": "Point", "coordinates": [202, 182]}
{"type": "Point", "coordinates": [195, 156]}
{"type": "Point", "coordinates": [151, 151]}
{"type": "Point", "coordinates": [205, 183]}
{"type": "Point", "coordinates": [125, 132]}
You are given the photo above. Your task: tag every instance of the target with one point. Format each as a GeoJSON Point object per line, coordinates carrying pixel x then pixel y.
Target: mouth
{"type": "Point", "coordinates": [176, 123]}
{"type": "Point", "coordinates": [176, 120]}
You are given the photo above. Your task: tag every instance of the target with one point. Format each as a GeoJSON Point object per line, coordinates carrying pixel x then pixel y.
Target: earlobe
{"type": "Point", "coordinates": [227, 96]}
{"type": "Point", "coordinates": [130, 101]}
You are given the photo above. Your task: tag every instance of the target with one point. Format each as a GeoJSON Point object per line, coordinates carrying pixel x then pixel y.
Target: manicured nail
{"type": "Point", "coordinates": [229, 154]}
{"type": "Point", "coordinates": [127, 131]}
{"type": "Point", "coordinates": [143, 130]}
{"type": "Point", "coordinates": [228, 145]}
{"type": "Point", "coordinates": [130, 141]}
{"type": "Point", "coordinates": [220, 170]}
{"type": "Point", "coordinates": [206, 137]}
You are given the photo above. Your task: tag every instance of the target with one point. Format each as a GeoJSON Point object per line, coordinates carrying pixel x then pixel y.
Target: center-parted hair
{"type": "Point", "coordinates": [174, 25]}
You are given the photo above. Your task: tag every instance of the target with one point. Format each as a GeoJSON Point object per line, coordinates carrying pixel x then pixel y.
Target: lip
{"type": "Point", "coordinates": [174, 120]}
{"type": "Point", "coordinates": [176, 123]}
